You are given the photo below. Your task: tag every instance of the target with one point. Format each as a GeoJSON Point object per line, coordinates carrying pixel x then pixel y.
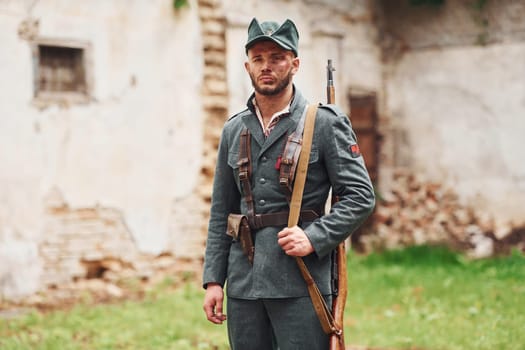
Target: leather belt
{"type": "Point", "coordinates": [259, 221]}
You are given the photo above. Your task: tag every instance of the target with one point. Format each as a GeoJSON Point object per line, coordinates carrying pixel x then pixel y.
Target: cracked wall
{"type": "Point", "coordinates": [123, 167]}
{"type": "Point", "coordinates": [457, 102]}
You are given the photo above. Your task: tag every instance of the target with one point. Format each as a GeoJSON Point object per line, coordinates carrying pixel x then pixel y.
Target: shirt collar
{"type": "Point", "coordinates": [274, 119]}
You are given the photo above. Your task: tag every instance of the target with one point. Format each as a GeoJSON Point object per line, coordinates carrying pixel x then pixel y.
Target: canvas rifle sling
{"type": "Point", "coordinates": [323, 311]}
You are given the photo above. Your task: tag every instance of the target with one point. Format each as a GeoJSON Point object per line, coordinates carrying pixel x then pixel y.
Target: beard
{"type": "Point", "coordinates": [272, 91]}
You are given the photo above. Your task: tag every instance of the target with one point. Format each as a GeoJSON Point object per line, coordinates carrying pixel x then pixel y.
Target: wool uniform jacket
{"type": "Point", "coordinates": [334, 163]}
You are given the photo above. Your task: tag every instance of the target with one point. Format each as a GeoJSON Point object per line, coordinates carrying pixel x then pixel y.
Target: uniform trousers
{"type": "Point", "coordinates": [275, 324]}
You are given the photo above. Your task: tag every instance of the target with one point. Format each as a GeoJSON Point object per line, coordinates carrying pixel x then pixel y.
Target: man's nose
{"type": "Point", "coordinates": [266, 68]}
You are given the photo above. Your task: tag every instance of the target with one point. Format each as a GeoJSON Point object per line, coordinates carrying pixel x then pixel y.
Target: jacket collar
{"type": "Point", "coordinates": [285, 125]}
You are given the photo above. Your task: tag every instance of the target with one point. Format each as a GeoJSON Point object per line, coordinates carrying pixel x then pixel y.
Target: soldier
{"type": "Point", "coordinates": [268, 303]}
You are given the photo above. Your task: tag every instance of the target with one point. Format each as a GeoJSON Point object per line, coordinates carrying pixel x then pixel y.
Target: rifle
{"type": "Point", "coordinates": [337, 341]}
{"type": "Point", "coordinates": [331, 319]}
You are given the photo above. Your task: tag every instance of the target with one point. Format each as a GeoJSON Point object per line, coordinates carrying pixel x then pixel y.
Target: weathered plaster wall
{"type": "Point", "coordinates": [134, 150]}
{"type": "Point", "coordinates": [457, 105]}
{"type": "Point", "coordinates": [463, 112]}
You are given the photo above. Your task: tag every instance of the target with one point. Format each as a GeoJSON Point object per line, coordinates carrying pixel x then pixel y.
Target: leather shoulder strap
{"type": "Point", "coordinates": [323, 311]}
{"type": "Point", "coordinates": [245, 170]}
{"type": "Point", "coordinates": [290, 156]}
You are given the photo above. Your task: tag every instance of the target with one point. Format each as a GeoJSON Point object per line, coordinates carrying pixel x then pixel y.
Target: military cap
{"type": "Point", "coordinates": [284, 35]}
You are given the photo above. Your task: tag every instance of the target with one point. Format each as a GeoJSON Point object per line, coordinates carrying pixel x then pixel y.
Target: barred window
{"type": "Point", "coordinates": [61, 72]}
{"type": "Point", "coordinates": [61, 69]}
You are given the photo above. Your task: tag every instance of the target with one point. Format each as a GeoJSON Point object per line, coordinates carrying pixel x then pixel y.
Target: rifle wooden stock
{"type": "Point", "coordinates": [330, 88]}
{"type": "Point", "coordinates": [337, 341]}
{"type": "Point", "coordinates": [330, 93]}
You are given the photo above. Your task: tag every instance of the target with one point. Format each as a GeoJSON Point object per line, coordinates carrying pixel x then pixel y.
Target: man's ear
{"type": "Point", "coordinates": [247, 66]}
{"type": "Point", "coordinates": [295, 64]}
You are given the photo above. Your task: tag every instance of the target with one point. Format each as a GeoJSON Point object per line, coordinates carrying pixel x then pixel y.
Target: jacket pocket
{"type": "Point", "coordinates": [233, 158]}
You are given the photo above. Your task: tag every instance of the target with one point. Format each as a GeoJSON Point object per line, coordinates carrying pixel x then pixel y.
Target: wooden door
{"type": "Point", "coordinates": [363, 115]}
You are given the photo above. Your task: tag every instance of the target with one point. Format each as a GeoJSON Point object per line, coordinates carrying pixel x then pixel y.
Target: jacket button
{"type": "Point", "coordinates": [262, 202]}
{"type": "Point", "coordinates": [262, 180]}
{"type": "Point", "coordinates": [264, 159]}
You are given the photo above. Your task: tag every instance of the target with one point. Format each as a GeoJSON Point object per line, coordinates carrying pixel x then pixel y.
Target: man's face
{"type": "Point", "coordinates": [270, 67]}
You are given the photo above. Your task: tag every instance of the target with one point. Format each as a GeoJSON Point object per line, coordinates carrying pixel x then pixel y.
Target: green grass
{"type": "Point", "coordinates": [417, 298]}
{"type": "Point", "coordinates": [163, 320]}
{"type": "Point", "coordinates": [430, 298]}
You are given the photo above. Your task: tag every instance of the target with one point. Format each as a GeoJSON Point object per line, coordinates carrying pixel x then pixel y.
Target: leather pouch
{"type": "Point", "coordinates": [234, 225]}
{"type": "Point", "coordinates": [239, 229]}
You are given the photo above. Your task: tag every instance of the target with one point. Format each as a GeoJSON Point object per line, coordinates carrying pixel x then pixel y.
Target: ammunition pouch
{"type": "Point", "coordinates": [239, 230]}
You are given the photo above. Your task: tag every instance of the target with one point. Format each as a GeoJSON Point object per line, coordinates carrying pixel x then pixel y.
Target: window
{"type": "Point", "coordinates": [61, 72]}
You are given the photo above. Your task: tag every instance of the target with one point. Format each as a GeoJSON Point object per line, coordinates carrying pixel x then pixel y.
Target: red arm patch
{"type": "Point", "coordinates": [354, 150]}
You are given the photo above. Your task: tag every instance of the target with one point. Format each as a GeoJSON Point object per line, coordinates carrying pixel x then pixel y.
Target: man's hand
{"type": "Point", "coordinates": [213, 303]}
{"type": "Point", "coordinates": [294, 241]}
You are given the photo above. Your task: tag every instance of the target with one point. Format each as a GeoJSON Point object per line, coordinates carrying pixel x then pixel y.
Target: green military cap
{"type": "Point", "coordinates": [284, 35]}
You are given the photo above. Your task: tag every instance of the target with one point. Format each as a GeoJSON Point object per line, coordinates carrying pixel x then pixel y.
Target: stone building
{"type": "Point", "coordinates": [111, 113]}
